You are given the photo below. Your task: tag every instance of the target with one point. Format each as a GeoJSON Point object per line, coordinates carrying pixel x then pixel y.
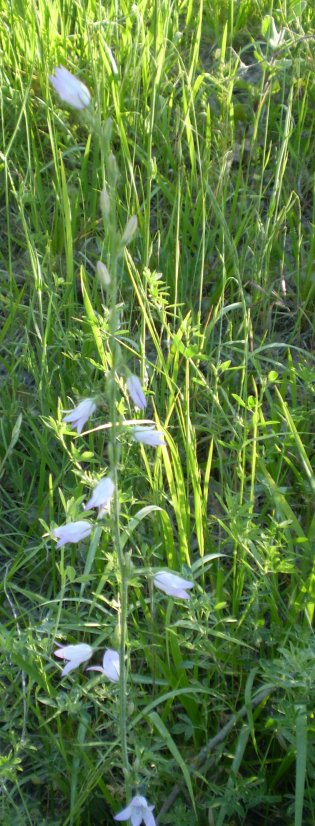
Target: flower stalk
{"type": "Point", "coordinates": [108, 206]}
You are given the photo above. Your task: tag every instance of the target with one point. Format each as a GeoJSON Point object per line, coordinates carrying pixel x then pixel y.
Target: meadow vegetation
{"type": "Point", "coordinates": [212, 111]}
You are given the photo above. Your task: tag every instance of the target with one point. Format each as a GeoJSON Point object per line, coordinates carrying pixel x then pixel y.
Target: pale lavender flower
{"type": "Point", "coordinates": [69, 88]}
{"type": "Point", "coordinates": [172, 584]}
{"type": "Point", "coordinates": [138, 811]}
{"type": "Point", "coordinates": [101, 495]}
{"type": "Point", "coordinates": [148, 436]}
{"type": "Point", "coordinates": [72, 532]}
{"type": "Point", "coordinates": [76, 654]}
{"type": "Point", "coordinates": [80, 414]}
{"type": "Point", "coordinates": [110, 667]}
{"type": "Point", "coordinates": [135, 391]}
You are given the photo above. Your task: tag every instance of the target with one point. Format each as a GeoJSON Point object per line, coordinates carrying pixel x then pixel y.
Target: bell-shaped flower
{"type": "Point", "coordinates": [70, 88]}
{"type": "Point", "coordinates": [80, 414]}
{"type": "Point", "coordinates": [75, 654]}
{"type": "Point", "coordinates": [72, 532]}
{"type": "Point", "coordinates": [110, 667]}
{"type": "Point", "coordinates": [101, 495]}
{"type": "Point", "coordinates": [172, 584]}
{"type": "Point", "coordinates": [148, 436]}
{"type": "Point", "coordinates": [138, 812]}
{"type": "Point", "coordinates": [135, 391]}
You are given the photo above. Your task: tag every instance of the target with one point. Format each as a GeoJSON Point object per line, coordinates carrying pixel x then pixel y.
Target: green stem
{"type": "Point", "coordinates": [114, 454]}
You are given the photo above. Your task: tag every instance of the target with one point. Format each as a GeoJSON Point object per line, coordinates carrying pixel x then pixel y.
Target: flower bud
{"type": "Point", "coordinates": [130, 230]}
{"type": "Point", "coordinates": [103, 274]}
{"type": "Point", "coordinates": [105, 203]}
{"type": "Point", "coordinates": [113, 171]}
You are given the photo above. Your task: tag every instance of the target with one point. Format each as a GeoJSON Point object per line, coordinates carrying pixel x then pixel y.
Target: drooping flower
{"type": "Point", "coordinates": [80, 414]}
{"type": "Point", "coordinates": [75, 654]}
{"type": "Point", "coordinates": [172, 584]}
{"type": "Point", "coordinates": [112, 169]}
{"type": "Point", "coordinates": [148, 436]}
{"type": "Point", "coordinates": [110, 667]}
{"type": "Point", "coordinates": [135, 391]}
{"type": "Point", "coordinates": [70, 88]}
{"type": "Point", "coordinates": [72, 532]}
{"type": "Point", "coordinates": [138, 811]}
{"type": "Point", "coordinates": [101, 495]}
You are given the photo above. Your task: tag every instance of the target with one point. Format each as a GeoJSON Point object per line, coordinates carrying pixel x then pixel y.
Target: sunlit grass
{"type": "Point", "coordinates": [213, 133]}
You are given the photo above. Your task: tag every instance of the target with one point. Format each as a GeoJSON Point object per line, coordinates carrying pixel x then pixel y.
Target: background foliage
{"type": "Point", "coordinates": [213, 132]}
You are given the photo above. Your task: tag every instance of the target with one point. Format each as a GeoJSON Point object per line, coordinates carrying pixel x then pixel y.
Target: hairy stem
{"type": "Point", "coordinates": [114, 253]}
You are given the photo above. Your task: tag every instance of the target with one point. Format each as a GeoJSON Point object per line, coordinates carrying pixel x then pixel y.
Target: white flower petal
{"type": "Point", "coordinates": [136, 818]}
{"type": "Point", "coordinates": [125, 814]}
{"type": "Point", "coordinates": [175, 592]}
{"type": "Point", "coordinates": [148, 818]}
{"type": "Point", "coordinates": [95, 668]}
{"type": "Point", "coordinates": [70, 667]}
{"type": "Point", "coordinates": [135, 390]}
{"type": "Point", "coordinates": [69, 88]}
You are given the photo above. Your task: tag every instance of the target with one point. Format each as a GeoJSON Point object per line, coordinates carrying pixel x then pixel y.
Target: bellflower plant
{"type": "Point", "coordinates": [105, 495]}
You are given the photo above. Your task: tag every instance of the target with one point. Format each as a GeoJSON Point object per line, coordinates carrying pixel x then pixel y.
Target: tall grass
{"type": "Point", "coordinates": [213, 130]}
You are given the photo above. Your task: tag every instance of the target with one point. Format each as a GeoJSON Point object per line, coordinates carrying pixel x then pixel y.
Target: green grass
{"type": "Point", "coordinates": [213, 132]}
